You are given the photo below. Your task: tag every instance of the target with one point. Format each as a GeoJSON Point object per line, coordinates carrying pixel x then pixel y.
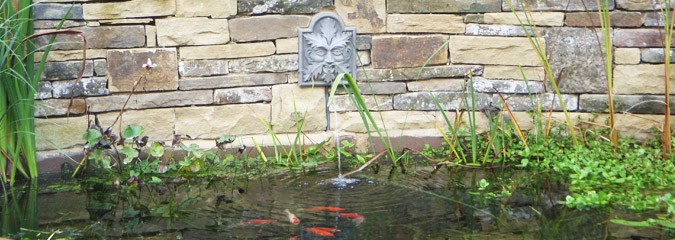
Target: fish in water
{"type": "Point", "coordinates": [319, 232]}
{"type": "Point", "coordinates": [328, 229]}
{"type": "Point", "coordinates": [258, 221]}
{"type": "Point", "coordinates": [291, 217]}
{"type": "Point", "coordinates": [326, 209]}
{"type": "Point", "coordinates": [351, 215]}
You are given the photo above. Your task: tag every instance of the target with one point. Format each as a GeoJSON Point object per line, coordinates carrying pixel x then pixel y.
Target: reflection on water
{"type": "Point", "coordinates": [417, 205]}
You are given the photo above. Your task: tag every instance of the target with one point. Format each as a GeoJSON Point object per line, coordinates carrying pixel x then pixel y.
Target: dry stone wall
{"type": "Point", "coordinates": [223, 66]}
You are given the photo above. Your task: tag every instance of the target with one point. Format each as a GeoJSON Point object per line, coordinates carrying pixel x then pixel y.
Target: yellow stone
{"type": "Point", "coordinates": [512, 51]}
{"type": "Point", "coordinates": [368, 16]}
{"type": "Point", "coordinates": [539, 18]}
{"type": "Point", "coordinates": [240, 50]}
{"type": "Point", "coordinates": [192, 31]}
{"type": "Point", "coordinates": [214, 121]}
{"type": "Point", "coordinates": [641, 79]}
{"type": "Point", "coordinates": [627, 55]}
{"type": "Point", "coordinates": [129, 9]}
{"type": "Point", "coordinates": [433, 23]}
{"type": "Point", "coordinates": [287, 45]}
{"type": "Point", "coordinates": [206, 8]}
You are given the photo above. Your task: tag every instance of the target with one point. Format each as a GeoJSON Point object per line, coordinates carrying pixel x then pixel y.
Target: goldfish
{"type": "Point", "coordinates": [326, 208]}
{"type": "Point", "coordinates": [291, 217]}
{"type": "Point", "coordinates": [258, 221]}
{"type": "Point", "coordinates": [351, 215]}
{"type": "Point", "coordinates": [319, 232]}
{"type": "Point", "coordinates": [328, 229]}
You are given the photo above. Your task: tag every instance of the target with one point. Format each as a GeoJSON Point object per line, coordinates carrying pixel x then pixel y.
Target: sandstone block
{"type": "Point", "coordinates": [422, 101]}
{"type": "Point", "coordinates": [344, 103]}
{"type": "Point", "coordinates": [266, 27]}
{"type": "Point", "coordinates": [275, 63]}
{"type": "Point", "coordinates": [158, 124]}
{"type": "Point", "coordinates": [206, 8]}
{"type": "Point", "coordinates": [555, 5]}
{"type": "Point", "coordinates": [363, 58]}
{"type": "Point", "coordinates": [436, 85]}
{"type": "Point", "coordinates": [191, 31]}
{"type": "Point", "coordinates": [241, 50]}
{"type": "Point", "coordinates": [514, 72]}
{"type": "Point", "coordinates": [495, 30]}
{"type": "Point", "coordinates": [150, 100]}
{"type": "Point", "coordinates": [408, 51]}
{"type": "Point", "coordinates": [401, 74]}
{"type": "Point", "coordinates": [59, 133]}
{"type": "Point", "coordinates": [382, 87]}
{"type": "Point", "coordinates": [415, 23]}
{"type": "Point", "coordinates": [287, 45]}
{"type": "Point", "coordinates": [640, 5]}
{"type": "Point", "coordinates": [443, 6]}
{"type": "Point", "coordinates": [637, 104]}
{"type": "Point", "coordinates": [132, 21]}
{"type": "Point", "coordinates": [93, 86]}
{"type": "Point", "coordinates": [282, 7]}
{"type": "Point", "coordinates": [310, 103]}
{"type": "Point", "coordinates": [214, 121]}
{"type": "Point", "coordinates": [126, 67]}
{"type": "Point", "coordinates": [574, 53]}
{"type": "Point", "coordinates": [233, 80]}
{"type": "Point", "coordinates": [626, 56]}
{"type": "Point", "coordinates": [66, 70]}
{"type": "Point", "coordinates": [59, 107]}
{"type": "Point", "coordinates": [395, 120]}
{"type": "Point", "coordinates": [69, 55]}
{"type": "Point", "coordinates": [507, 86]}
{"type": "Point", "coordinates": [54, 11]}
{"type": "Point", "coordinates": [641, 79]}
{"type": "Point", "coordinates": [242, 95]}
{"type": "Point", "coordinates": [368, 16]}
{"type": "Point", "coordinates": [538, 18]}
{"type": "Point", "coordinates": [616, 19]}
{"type": "Point", "coordinates": [151, 36]}
{"type": "Point", "coordinates": [129, 9]}
{"type": "Point", "coordinates": [654, 55]}
{"type": "Point", "coordinates": [638, 38]}
{"type": "Point", "coordinates": [197, 68]}
{"type": "Point", "coordinates": [99, 38]}
{"type": "Point", "coordinates": [492, 50]}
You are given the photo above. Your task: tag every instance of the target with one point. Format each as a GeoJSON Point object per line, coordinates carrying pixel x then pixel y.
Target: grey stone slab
{"type": "Point", "coordinates": [363, 42]}
{"type": "Point", "coordinates": [655, 55]}
{"type": "Point", "coordinates": [555, 5]}
{"type": "Point", "coordinates": [443, 6]}
{"type": "Point", "coordinates": [448, 100]}
{"type": "Point", "coordinates": [44, 90]}
{"type": "Point", "coordinates": [276, 63]}
{"type": "Point", "coordinates": [233, 80]}
{"type": "Point", "coordinates": [638, 104]}
{"type": "Point", "coordinates": [507, 86]}
{"type": "Point", "coordinates": [525, 102]}
{"type": "Point", "coordinates": [55, 11]}
{"type": "Point", "coordinates": [100, 67]}
{"type": "Point", "coordinates": [256, 7]}
{"type": "Point", "coordinates": [199, 68]}
{"type": "Point", "coordinates": [94, 86]}
{"type": "Point", "coordinates": [66, 70]}
{"type": "Point", "coordinates": [242, 95]}
{"type": "Point", "coordinates": [495, 30]}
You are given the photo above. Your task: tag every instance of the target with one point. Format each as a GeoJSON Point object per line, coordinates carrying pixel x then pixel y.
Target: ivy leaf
{"type": "Point", "coordinates": [132, 131]}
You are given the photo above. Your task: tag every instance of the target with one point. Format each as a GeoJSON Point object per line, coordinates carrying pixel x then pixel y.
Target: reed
{"type": "Point", "coordinates": [605, 24]}
{"type": "Point", "coordinates": [668, 18]}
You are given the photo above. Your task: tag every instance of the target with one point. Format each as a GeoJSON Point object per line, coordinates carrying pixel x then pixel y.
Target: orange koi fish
{"type": "Point", "coordinates": [328, 229]}
{"type": "Point", "coordinates": [258, 221]}
{"type": "Point", "coordinates": [319, 232]}
{"type": "Point", "coordinates": [326, 209]}
{"type": "Point", "coordinates": [351, 215]}
{"type": "Point", "coordinates": [291, 217]}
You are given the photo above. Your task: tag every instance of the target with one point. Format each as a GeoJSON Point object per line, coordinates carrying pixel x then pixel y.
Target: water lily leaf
{"type": "Point", "coordinates": [156, 150]}
{"type": "Point", "coordinates": [631, 223]}
{"type": "Point", "coordinates": [132, 131]}
{"type": "Point", "coordinates": [92, 137]}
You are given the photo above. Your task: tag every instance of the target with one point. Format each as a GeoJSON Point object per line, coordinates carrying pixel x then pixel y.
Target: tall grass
{"type": "Point", "coordinates": [666, 15]}
{"type": "Point", "coordinates": [605, 24]}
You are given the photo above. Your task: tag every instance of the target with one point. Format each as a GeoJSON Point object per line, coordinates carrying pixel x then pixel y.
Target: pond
{"type": "Point", "coordinates": [386, 205]}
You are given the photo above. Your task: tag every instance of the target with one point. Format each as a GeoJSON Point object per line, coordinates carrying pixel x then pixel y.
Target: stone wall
{"type": "Point", "coordinates": [224, 66]}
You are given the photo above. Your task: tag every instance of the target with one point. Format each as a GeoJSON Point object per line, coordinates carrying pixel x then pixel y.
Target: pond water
{"type": "Point", "coordinates": [415, 205]}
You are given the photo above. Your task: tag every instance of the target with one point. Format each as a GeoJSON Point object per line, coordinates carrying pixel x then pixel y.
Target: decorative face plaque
{"type": "Point", "coordinates": [326, 49]}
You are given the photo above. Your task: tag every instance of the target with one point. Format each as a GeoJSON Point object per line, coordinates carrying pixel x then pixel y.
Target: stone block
{"type": "Point", "coordinates": [150, 100]}
{"type": "Point", "coordinates": [394, 120]}
{"type": "Point", "coordinates": [538, 18]}
{"type": "Point", "coordinates": [287, 45]}
{"type": "Point", "coordinates": [616, 19]}
{"type": "Point", "coordinates": [59, 133]}
{"type": "Point", "coordinates": [382, 87]}
{"type": "Point", "coordinates": [344, 103]}
{"type": "Point", "coordinates": [241, 50]}
{"type": "Point", "coordinates": [214, 121]}
{"type": "Point", "coordinates": [289, 102]}
{"type": "Point", "coordinates": [191, 31]}
{"type": "Point", "coordinates": [242, 95]}
{"type": "Point", "coordinates": [654, 55]}
{"type": "Point", "coordinates": [636, 104]}
{"type": "Point", "coordinates": [640, 5]}
{"type": "Point", "coordinates": [363, 58]}
{"type": "Point", "coordinates": [554, 5]}
{"type": "Point", "coordinates": [158, 124]}
{"type": "Point", "coordinates": [131, 21]}
{"type": "Point", "coordinates": [66, 70]}
{"type": "Point", "coordinates": [638, 38]}
{"type": "Point", "coordinates": [422, 101]}
{"type": "Point", "coordinates": [653, 19]}
{"type": "Point", "coordinates": [512, 51]}
{"type": "Point", "coordinates": [507, 86]}
{"type": "Point", "coordinates": [368, 16]}
{"type": "Point", "coordinates": [198, 68]}
{"type": "Point", "coordinates": [55, 11]}
{"type": "Point", "coordinates": [268, 27]}
{"type": "Point", "coordinates": [94, 86]}
{"type": "Point", "coordinates": [125, 67]}
{"type": "Point", "coordinates": [495, 30]}
{"type": "Point", "coordinates": [151, 36]}
{"type": "Point", "coordinates": [626, 56]}
{"type": "Point", "coordinates": [363, 42]}
{"type": "Point", "coordinates": [59, 107]}
{"type": "Point", "coordinates": [129, 9]}
{"type": "Point", "coordinates": [402, 74]}
{"type": "Point", "coordinates": [443, 6]}
{"type": "Point", "coordinates": [435, 85]}
{"type": "Point", "coordinates": [206, 8]}
{"type": "Point", "coordinates": [275, 63]}
{"type": "Point", "coordinates": [514, 72]}
{"type": "Point", "coordinates": [99, 38]}
{"type": "Point", "coordinates": [416, 23]}
{"type": "Point", "coordinates": [234, 80]}
{"type": "Point", "coordinates": [408, 51]}
{"type": "Point", "coordinates": [256, 7]}
{"type": "Point", "coordinates": [44, 90]}
{"type": "Point", "coordinates": [523, 102]}
{"type": "Point", "coordinates": [641, 79]}
{"type": "Point", "coordinates": [473, 18]}
{"type": "Point", "coordinates": [574, 53]}
{"type": "Point", "coordinates": [52, 24]}
{"type": "Point", "coordinates": [69, 55]}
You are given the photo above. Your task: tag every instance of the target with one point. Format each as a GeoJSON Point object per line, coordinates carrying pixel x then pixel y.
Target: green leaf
{"type": "Point", "coordinates": [132, 131]}
{"type": "Point", "coordinates": [92, 137]}
{"type": "Point", "coordinates": [156, 150]}
{"type": "Point", "coordinates": [155, 180]}
{"type": "Point", "coordinates": [225, 139]}
{"type": "Point", "coordinates": [631, 223]}
{"type": "Point", "coordinates": [129, 154]}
